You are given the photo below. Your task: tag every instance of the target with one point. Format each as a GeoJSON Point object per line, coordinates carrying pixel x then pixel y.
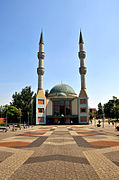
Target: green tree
{"type": "Point", "coordinates": [91, 116]}
{"type": "Point", "coordinates": [100, 110]}
{"type": "Point", "coordinates": [11, 113]}
{"type": "Point", "coordinates": [46, 93]}
{"type": "Point", "coordinates": [23, 100]}
{"type": "Point", "coordinates": [109, 109]}
{"type": "Point", "coordinates": [1, 111]}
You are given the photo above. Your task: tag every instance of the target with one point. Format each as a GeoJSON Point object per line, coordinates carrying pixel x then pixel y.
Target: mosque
{"type": "Point", "coordinates": [62, 105]}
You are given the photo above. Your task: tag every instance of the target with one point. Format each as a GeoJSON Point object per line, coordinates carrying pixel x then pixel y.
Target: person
{"type": "Point", "coordinates": [108, 123]}
{"type": "Point", "coordinates": [113, 123]}
{"type": "Point", "coordinates": [99, 121]}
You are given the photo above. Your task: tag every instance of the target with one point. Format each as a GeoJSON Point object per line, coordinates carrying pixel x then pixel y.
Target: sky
{"type": "Point", "coordinates": [21, 23]}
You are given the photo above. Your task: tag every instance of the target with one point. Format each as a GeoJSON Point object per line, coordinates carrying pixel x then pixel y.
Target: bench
{"type": "Point", "coordinates": [98, 125]}
{"type": "Point", "coordinates": [117, 128]}
{"type": "Point", "coordinates": [4, 129]}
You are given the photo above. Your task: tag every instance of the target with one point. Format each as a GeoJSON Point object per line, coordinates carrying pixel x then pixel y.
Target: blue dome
{"type": "Point", "coordinates": [62, 88]}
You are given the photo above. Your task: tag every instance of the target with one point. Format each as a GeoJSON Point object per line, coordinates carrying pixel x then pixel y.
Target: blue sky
{"type": "Point", "coordinates": [20, 26]}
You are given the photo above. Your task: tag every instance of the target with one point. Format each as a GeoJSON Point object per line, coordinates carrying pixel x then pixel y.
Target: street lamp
{"type": "Point", "coordinates": [31, 115]}
{"type": "Point", "coordinates": [103, 116]}
{"type": "Point", "coordinates": [115, 113]}
{"type": "Point", "coordinates": [6, 115]}
{"type": "Point", "coordinates": [20, 113]}
{"type": "Point", "coordinates": [28, 117]}
{"type": "Point", "coordinates": [1, 110]}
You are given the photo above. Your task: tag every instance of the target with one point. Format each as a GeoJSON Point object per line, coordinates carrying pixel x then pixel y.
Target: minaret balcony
{"type": "Point", "coordinates": [40, 71]}
{"type": "Point", "coordinates": [82, 54]}
{"type": "Point", "coordinates": [41, 55]}
{"type": "Point", "coordinates": [82, 70]}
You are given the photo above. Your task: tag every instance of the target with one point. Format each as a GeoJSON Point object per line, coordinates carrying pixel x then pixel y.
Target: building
{"type": "Point", "coordinates": [62, 105]}
{"type": "Point", "coordinates": [93, 111]}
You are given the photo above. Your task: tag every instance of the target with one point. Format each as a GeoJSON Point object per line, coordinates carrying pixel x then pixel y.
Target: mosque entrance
{"type": "Point", "coordinates": [61, 121]}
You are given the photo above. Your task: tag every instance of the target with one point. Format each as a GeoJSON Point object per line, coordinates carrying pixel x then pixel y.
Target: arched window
{"type": "Point", "coordinates": [56, 108]}
{"type": "Point", "coordinates": [68, 111]}
{"type": "Point", "coordinates": [62, 108]}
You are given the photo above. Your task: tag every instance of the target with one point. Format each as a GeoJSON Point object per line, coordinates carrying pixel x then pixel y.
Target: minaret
{"type": "Point", "coordinates": [40, 69]}
{"type": "Point", "coordinates": [83, 98]}
{"type": "Point", "coordinates": [40, 98]}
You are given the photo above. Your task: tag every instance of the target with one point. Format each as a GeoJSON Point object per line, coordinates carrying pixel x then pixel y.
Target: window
{"type": "Point", "coordinates": [62, 112]}
{"type": "Point", "coordinates": [40, 110]}
{"type": "Point", "coordinates": [83, 110]}
{"type": "Point", "coordinates": [67, 103]}
{"type": "Point", "coordinates": [40, 101]}
{"type": "Point", "coordinates": [56, 108]}
{"type": "Point", "coordinates": [40, 119]}
{"type": "Point", "coordinates": [82, 101]}
{"type": "Point", "coordinates": [83, 118]}
{"type": "Point", "coordinates": [61, 108]}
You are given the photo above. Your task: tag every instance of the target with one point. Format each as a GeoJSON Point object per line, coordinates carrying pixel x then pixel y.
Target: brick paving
{"type": "Point", "coordinates": [60, 153]}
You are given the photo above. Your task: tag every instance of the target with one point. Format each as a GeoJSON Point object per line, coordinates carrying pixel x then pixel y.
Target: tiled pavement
{"type": "Point", "coordinates": [60, 152]}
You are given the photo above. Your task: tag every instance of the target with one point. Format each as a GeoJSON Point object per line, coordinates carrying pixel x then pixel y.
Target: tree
{"type": "Point", "coordinates": [91, 116]}
{"type": "Point", "coordinates": [11, 113]}
{"type": "Point", "coordinates": [1, 111]}
{"type": "Point", "coordinates": [111, 108]}
{"type": "Point", "coordinates": [46, 93]}
{"type": "Point", "coordinates": [23, 100]}
{"type": "Point", "coordinates": [100, 110]}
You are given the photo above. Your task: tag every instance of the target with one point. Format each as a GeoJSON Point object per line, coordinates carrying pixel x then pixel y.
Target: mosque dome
{"type": "Point", "coordinates": [62, 88]}
{"type": "Point", "coordinates": [61, 94]}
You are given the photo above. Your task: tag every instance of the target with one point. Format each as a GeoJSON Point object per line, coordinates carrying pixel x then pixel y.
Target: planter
{"type": "Point", "coordinates": [117, 128]}
{"type": "Point", "coordinates": [98, 125]}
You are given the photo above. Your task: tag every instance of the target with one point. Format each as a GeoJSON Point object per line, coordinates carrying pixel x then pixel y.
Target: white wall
{"type": "Point", "coordinates": [74, 106]}
{"type": "Point", "coordinates": [49, 110]}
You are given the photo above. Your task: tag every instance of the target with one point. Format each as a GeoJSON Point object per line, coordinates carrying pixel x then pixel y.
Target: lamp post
{"type": "Point", "coordinates": [31, 115]}
{"type": "Point", "coordinates": [6, 115]}
{"type": "Point", "coordinates": [103, 116]}
{"type": "Point", "coordinates": [28, 117]}
{"type": "Point", "coordinates": [94, 122]}
{"type": "Point", "coordinates": [1, 110]}
{"type": "Point", "coordinates": [115, 113]}
{"type": "Point", "coordinates": [20, 113]}
{"type": "Point", "coordinates": [31, 119]}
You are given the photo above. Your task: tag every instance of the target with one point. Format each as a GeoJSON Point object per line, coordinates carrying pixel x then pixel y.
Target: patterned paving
{"type": "Point", "coordinates": [13, 144]}
{"type": "Point", "coordinates": [57, 157]}
{"type": "Point", "coordinates": [113, 156]}
{"type": "Point", "coordinates": [105, 143]}
{"type": "Point", "coordinates": [4, 155]}
{"type": "Point", "coordinates": [60, 153]}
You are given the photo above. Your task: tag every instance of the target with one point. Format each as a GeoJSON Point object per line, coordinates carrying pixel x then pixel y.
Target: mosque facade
{"type": "Point", "coordinates": [62, 105]}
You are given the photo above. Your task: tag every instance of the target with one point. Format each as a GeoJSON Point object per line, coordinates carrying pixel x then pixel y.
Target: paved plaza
{"type": "Point", "coordinates": [78, 152]}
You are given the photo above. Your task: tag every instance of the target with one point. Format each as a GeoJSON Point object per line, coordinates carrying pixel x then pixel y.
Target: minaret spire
{"type": "Point", "coordinates": [81, 38]}
{"type": "Point", "coordinates": [41, 38]}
